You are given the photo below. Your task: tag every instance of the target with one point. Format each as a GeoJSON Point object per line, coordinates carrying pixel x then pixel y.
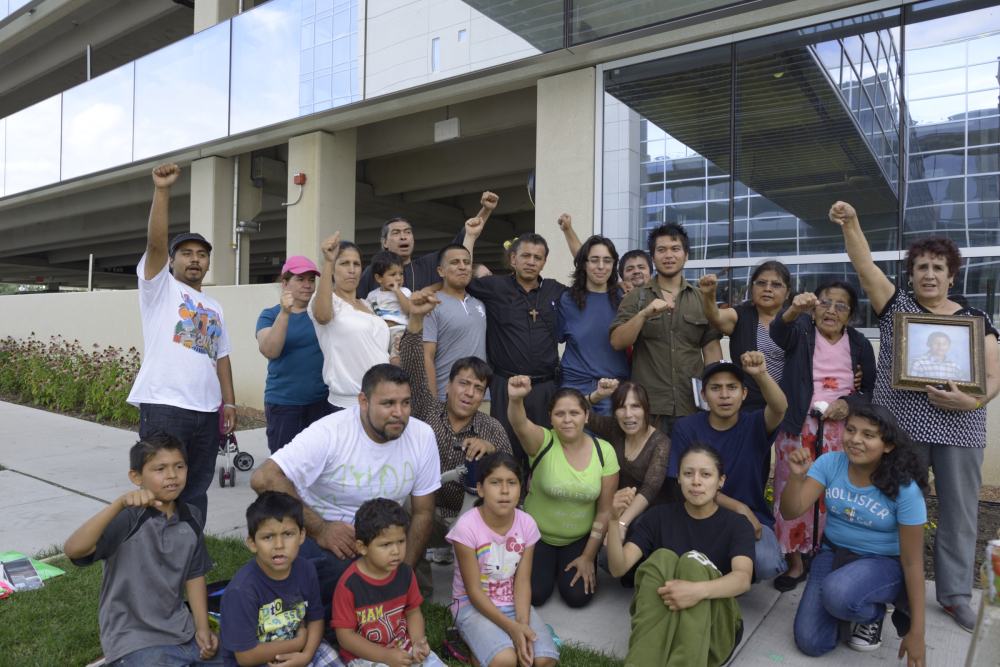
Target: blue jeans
{"type": "Point", "coordinates": [768, 560]}
{"type": "Point", "coordinates": [284, 422]}
{"type": "Point", "coordinates": [602, 407]}
{"type": "Point", "coordinates": [184, 655]}
{"type": "Point", "coordinates": [329, 569]}
{"type": "Point", "coordinates": [487, 639]}
{"type": "Point", "coordinates": [199, 431]}
{"type": "Point", "coordinates": [856, 592]}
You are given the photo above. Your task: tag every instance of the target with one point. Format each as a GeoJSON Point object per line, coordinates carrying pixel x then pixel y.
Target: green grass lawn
{"type": "Point", "coordinates": [57, 625]}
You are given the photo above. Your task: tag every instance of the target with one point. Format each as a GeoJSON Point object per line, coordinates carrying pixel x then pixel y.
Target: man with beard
{"type": "Point", "coordinates": [673, 340]}
{"type": "Point", "coordinates": [635, 268]}
{"type": "Point", "coordinates": [186, 373]}
{"type": "Point", "coordinates": [368, 451]}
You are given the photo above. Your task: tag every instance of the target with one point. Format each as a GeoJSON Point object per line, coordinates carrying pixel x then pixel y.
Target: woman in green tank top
{"type": "Point", "coordinates": [573, 478]}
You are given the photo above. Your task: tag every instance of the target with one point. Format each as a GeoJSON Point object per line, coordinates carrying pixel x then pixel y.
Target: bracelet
{"type": "Point", "coordinates": [623, 524]}
{"type": "Point", "coordinates": [229, 405]}
{"type": "Point", "coordinates": [977, 405]}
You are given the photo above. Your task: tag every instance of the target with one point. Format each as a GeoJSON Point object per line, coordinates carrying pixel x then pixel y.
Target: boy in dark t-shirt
{"type": "Point", "coordinates": [376, 607]}
{"type": "Point", "coordinates": [272, 610]}
{"type": "Point", "coordinates": [153, 553]}
{"type": "Point", "coordinates": [744, 440]}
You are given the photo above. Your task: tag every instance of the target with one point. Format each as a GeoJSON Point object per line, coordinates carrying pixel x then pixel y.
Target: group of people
{"type": "Point", "coordinates": [375, 382]}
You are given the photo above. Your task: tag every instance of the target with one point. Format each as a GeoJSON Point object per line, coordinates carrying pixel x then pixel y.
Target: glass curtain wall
{"type": "Point", "coordinates": [806, 118]}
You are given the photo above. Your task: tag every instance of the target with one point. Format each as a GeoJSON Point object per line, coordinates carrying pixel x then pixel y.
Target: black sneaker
{"type": "Point", "coordinates": [866, 637]}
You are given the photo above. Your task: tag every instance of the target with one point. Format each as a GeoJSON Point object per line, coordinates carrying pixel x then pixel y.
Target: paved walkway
{"type": "Point", "coordinates": [61, 471]}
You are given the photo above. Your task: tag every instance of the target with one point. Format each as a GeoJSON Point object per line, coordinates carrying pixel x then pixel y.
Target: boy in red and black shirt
{"type": "Point", "coordinates": [376, 606]}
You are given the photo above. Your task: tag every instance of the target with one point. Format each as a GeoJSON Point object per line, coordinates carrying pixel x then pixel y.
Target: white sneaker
{"type": "Point", "coordinates": [866, 637]}
{"type": "Point", "coordinates": [444, 555]}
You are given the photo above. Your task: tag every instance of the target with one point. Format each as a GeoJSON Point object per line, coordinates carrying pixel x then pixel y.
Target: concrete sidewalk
{"type": "Point", "coordinates": [61, 471]}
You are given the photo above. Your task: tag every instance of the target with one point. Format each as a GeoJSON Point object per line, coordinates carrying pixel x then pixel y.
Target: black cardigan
{"type": "Point", "coordinates": [798, 340]}
{"type": "Point", "coordinates": [744, 339]}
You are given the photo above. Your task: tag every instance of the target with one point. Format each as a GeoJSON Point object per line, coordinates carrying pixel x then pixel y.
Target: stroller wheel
{"type": "Point", "coordinates": [232, 477]}
{"type": "Point", "coordinates": [222, 477]}
{"type": "Point", "coordinates": [244, 461]}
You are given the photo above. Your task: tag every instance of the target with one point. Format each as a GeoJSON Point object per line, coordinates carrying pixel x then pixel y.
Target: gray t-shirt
{"type": "Point", "coordinates": [459, 329]}
{"type": "Point", "coordinates": [142, 593]}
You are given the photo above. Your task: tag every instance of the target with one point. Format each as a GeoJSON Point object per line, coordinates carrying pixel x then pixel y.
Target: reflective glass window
{"type": "Point", "coordinates": [936, 110]}
{"type": "Point", "coordinates": [32, 151]}
{"type": "Point", "coordinates": [984, 131]}
{"type": "Point", "coordinates": [931, 58]}
{"type": "Point", "coordinates": [984, 160]}
{"type": "Point", "coordinates": [97, 123]}
{"type": "Point", "coordinates": [984, 77]}
{"type": "Point", "coordinates": [922, 193]}
{"type": "Point", "coordinates": [979, 277]}
{"type": "Point", "coordinates": [182, 93]}
{"type": "Point", "coordinates": [681, 107]}
{"type": "Point", "coordinates": [983, 103]}
{"type": "Point", "coordinates": [935, 84]}
{"type": "Point", "coordinates": [984, 188]}
{"type": "Point", "coordinates": [936, 165]}
{"type": "Point", "coordinates": [984, 49]}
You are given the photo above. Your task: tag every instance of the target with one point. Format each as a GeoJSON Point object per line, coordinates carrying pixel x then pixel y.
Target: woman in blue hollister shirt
{"type": "Point", "coordinates": [873, 544]}
{"type": "Point", "coordinates": [295, 394]}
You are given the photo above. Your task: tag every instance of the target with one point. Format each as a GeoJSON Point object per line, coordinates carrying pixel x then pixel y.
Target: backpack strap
{"type": "Point", "coordinates": [597, 446]}
{"type": "Point", "coordinates": [538, 459]}
{"type": "Point", "coordinates": [642, 298]}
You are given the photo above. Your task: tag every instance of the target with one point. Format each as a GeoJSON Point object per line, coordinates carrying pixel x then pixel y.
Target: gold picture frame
{"type": "Point", "coordinates": [917, 358]}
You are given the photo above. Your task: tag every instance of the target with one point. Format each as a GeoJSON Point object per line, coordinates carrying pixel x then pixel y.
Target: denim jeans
{"type": "Point", "coordinates": [856, 592]}
{"type": "Point", "coordinates": [587, 388]}
{"type": "Point", "coordinates": [184, 655]}
{"type": "Point", "coordinates": [329, 569]}
{"type": "Point", "coordinates": [768, 560]}
{"type": "Point", "coordinates": [284, 422]}
{"type": "Point", "coordinates": [199, 431]}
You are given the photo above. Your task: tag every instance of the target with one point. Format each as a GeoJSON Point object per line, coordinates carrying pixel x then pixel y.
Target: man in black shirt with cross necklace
{"type": "Point", "coordinates": [521, 331]}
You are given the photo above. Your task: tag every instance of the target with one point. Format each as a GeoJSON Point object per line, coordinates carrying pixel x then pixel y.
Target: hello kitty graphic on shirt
{"type": "Point", "coordinates": [497, 564]}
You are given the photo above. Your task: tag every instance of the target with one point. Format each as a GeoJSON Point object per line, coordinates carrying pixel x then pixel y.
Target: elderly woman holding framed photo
{"type": "Point", "coordinates": [947, 425]}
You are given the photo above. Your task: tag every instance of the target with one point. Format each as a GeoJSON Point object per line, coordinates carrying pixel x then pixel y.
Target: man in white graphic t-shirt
{"type": "Point", "coordinates": [369, 451]}
{"type": "Point", "coordinates": [186, 371]}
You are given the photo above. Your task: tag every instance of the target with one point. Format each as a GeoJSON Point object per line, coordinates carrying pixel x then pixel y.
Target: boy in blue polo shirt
{"type": "Point", "coordinates": [153, 550]}
{"type": "Point", "coordinates": [271, 610]}
{"type": "Point", "coordinates": [743, 439]}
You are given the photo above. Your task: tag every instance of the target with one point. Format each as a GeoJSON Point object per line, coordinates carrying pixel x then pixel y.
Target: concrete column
{"type": "Point", "coordinates": [564, 162]}
{"type": "Point", "coordinates": [248, 206]}
{"type": "Point", "coordinates": [327, 204]}
{"type": "Point", "coordinates": [212, 215]}
{"type": "Point", "coordinates": [211, 12]}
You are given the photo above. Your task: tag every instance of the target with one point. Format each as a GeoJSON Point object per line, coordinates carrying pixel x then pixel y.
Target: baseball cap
{"type": "Point", "coordinates": [189, 236]}
{"type": "Point", "coordinates": [723, 367]}
{"type": "Point", "coordinates": [299, 264]}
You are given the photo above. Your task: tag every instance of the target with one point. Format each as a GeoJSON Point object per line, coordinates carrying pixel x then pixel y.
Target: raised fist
{"type": "Point", "coordinates": [656, 307]}
{"type": "Point", "coordinates": [708, 283]}
{"type": "Point", "coordinates": [489, 201]}
{"type": "Point", "coordinates": [331, 248]}
{"type": "Point", "coordinates": [623, 498]}
{"type": "Point", "coordinates": [842, 213]}
{"type": "Point", "coordinates": [166, 175]}
{"type": "Point", "coordinates": [754, 363]}
{"type": "Point", "coordinates": [474, 226]}
{"type": "Point", "coordinates": [799, 461]}
{"type": "Point", "coordinates": [605, 387]}
{"type": "Point", "coordinates": [565, 222]}
{"type": "Point", "coordinates": [286, 302]}
{"type": "Point", "coordinates": [803, 303]}
{"type": "Point", "coordinates": [518, 386]}
{"type": "Point", "coordinates": [423, 301]}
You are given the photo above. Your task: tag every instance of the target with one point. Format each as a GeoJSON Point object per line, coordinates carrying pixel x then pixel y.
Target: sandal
{"type": "Point", "coordinates": [452, 646]}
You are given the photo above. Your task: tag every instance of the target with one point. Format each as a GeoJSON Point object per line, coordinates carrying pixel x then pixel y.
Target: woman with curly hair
{"type": "Point", "coordinates": [586, 311]}
{"type": "Point", "coordinates": [873, 546]}
{"type": "Point", "coordinates": [948, 426]}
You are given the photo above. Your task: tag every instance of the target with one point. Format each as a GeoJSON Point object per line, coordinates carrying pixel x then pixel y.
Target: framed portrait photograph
{"type": "Point", "coordinates": [929, 349]}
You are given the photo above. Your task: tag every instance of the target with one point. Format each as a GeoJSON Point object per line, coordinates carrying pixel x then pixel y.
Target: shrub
{"type": "Point", "coordinates": [63, 376]}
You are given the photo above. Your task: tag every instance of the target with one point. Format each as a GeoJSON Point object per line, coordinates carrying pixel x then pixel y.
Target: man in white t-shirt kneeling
{"type": "Point", "coordinates": [369, 451]}
{"type": "Point", "coordinates": [186, 375]}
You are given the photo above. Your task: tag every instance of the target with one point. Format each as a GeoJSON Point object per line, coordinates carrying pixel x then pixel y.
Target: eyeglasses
{"type": "Point", "coordinates": [763, 284]}
{"type": "Point", "coordinates": [596, 261]}
{"type": "Point", "coordinates": [839, 307]}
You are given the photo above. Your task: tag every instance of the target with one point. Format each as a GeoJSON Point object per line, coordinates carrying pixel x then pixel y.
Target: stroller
{"type": "Point", "coordinates": [228, 446]}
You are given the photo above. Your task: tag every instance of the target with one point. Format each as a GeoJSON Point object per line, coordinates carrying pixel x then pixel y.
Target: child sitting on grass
{"type": "Point", "coordinates": [391, 301]}
{"type": "Point", "coordinates": [494, 544]}
{"type": "Point", "coordinates": [153, 549]}
{"type": "Point", "coordinates": [376, 606]}
{"type": "Point", "coordinates": [271, 610]}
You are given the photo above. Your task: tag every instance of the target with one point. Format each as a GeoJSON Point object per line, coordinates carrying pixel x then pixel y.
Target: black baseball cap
{"type": "Point", "coordinates": [189, 236]}
{"type": "Point", "coordinates": [723, 367]}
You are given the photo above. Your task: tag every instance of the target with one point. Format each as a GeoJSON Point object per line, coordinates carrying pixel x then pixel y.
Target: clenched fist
{"type": "Point", "coordinates": [489, 201]}
{"type": "Point", "coordinates": [842, 213]}
{"type": "Point", "coordinates": [565, 222]}
{"type": "Point", "coordinates": [754, 363]}
{"type": "Point", "coordinates": [803, 303]}
{"type": "Point", "coordinates": [656, 307]}
{"type": "Point", "coordinates": [518, 386]}
{"type": "Point", "coordinates": [800, 461]}
{"type": "Point", "coordinates": [331, 248]}
{"type": "Point", "coordinates": [166, 175]}
{"type": "Point", "coordinates": [708, 284]}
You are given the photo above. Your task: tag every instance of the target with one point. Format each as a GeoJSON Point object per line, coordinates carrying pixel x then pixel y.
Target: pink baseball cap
{"type": "Point", "coordinates": [299, 264]}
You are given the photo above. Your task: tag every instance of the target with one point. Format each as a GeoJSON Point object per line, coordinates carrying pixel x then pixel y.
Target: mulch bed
{"type": "Point", "coordinates": [989, 524]}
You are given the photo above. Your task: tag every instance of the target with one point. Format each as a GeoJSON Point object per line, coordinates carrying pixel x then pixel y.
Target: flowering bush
{"type": "Point", "coordinates": [62, 375]}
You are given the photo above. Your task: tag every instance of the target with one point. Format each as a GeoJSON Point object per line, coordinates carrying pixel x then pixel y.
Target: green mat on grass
{"type": "Point", "coordinates": [44, 570]}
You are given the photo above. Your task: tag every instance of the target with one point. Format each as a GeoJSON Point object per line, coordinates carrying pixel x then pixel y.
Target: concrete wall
{"type": "Point", "coordinates": [112, 318]}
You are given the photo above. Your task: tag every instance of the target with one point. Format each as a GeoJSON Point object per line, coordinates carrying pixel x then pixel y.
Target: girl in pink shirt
{"type": "Point", "coordinates": [494, 544]}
